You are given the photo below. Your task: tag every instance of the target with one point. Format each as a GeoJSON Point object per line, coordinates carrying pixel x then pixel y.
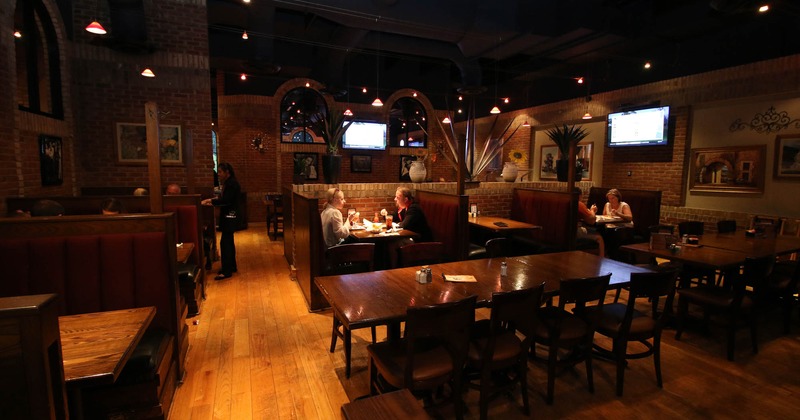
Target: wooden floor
{"type": "Point", "coordinates": [257, 353]}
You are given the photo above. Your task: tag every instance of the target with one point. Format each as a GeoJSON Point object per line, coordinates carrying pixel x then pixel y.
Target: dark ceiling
{"type": "Point", "coordinates": [530, 51]}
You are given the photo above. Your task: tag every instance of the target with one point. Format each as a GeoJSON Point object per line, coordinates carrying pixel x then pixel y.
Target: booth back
{"type": "Point", "coordinates": [548, 209]}
{"type": "Point", "coordinates": [645, 206]}
{"type": "Point", "coordinates": [446, 215]}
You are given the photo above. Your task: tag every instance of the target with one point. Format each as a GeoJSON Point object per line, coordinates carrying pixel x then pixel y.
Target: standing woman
{"type": "Point", "coordinates": [228, 212]}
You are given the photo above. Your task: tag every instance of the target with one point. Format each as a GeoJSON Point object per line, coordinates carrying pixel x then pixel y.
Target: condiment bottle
{"type": "Point", "coordinates": [376, 219]}
{"type": "Point", "coordinates": [503, 269]}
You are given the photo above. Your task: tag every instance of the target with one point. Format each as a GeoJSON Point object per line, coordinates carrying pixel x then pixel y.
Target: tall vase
{"type": "Point", "coordinates": [510, 172]}
{"type": "Point", "coordinates": [331, 168]}
{"type": "Point", "coordinates": [417, 171]}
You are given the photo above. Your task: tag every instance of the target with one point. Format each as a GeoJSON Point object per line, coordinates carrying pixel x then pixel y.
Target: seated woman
{"type": "Point", "coordinates": [616, 207]}
{"type": "Point", "coordinates": [334, 229]}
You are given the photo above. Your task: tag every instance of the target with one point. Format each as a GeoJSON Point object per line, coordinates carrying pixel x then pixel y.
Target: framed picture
{"type": "Point", "coordinates": [728, 169]}
{"type": "Point", "coordinates": [132, 144]}
{"type": "Point", "coordinates": [787, 156]}
{"type": "Point", "coordinates": [50, 160]}
{"type": "Point", "coordinates": [584, 157]}
{"type": "Point", "coordinates": [405, 166]}
{"type": "Point", "coordinates": [361, 163]}
{"type": "Point", "coordinates": [548, 156]}
{"type": "Point", "coordinates": [308, 161]}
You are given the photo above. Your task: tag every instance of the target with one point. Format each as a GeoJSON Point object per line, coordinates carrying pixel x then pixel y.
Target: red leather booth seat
{"type": "Point", "coordinates": [548, 209]}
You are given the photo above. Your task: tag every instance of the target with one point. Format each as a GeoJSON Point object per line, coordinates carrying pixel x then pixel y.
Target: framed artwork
{"type": "Point", "coordinates": [548, 156]}
{"type": "Point", "coordinates": [584, 157]}
{"type": "Point", "coordinates": [309, 164]}
{"type": "Point", "coordinates": [728, 169]}
{"type": "Point", "coordinates": [361, 163]}
{"type": "Point", "coordinates": [787, 157]}
{"type": "Point", "coordinates": [131, 144]}
{"type": "Point", "coordinates": [50, 160]}
{"type": "Point", "coordinates": [405, 166]}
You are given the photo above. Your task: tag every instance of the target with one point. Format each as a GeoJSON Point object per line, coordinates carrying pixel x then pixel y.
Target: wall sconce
{"type": "Point", "coordinates": [259, 143]}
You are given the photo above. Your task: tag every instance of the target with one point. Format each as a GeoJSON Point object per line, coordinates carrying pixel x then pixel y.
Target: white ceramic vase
{"type": "Point", "coordinates": [417, 171]}
{"type": "Point", "coordinates": [510, 172]}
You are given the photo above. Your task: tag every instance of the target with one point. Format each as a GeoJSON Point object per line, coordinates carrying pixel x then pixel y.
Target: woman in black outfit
{"type": "Point", "coordinates": [228, 212]}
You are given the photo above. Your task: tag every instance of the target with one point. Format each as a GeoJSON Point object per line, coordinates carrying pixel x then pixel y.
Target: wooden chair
{"type": "Point", "coordinates": [691, 227]}
{"type": "Point", "coordinates": [781, 289]}
{"type": "Point", "coordinates": [732, 302]}
{"type": "Point", "coordinates": [497, 247]}
{"type": "Point", "coordinates": [559, 329]}
{"type": "Point", "coordinates": [726, 226]}
{"type": "Point", "coordinates": [497, 348]}
{"type": "Point", "coordinates": [421, 253]}
{"type": "Point", "coordinates": [276, 216]}
{"type": "Point", "coordinates": [347, 259]}
{"type": "Point", "coordinates": [623, 323]}
{"type": "Point", "coordinates": [432, 353]}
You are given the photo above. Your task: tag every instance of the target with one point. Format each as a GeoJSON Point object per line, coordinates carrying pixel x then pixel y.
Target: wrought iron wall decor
{"type": "Point", "coordinates": [770, 121]}
{"type": "Point", "coordinates": [259, 142]}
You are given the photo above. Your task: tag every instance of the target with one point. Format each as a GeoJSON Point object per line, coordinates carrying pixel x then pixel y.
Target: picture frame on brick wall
{"type": "Point", "coordinates": [50, 160]}
{"type": "Point", "coordinates": [131, 144]}
{"type": "Point", "coordinates": [547, 167]}
{"type": "Point", "coordinates": [361, 163]}
{"type": "Point", "coordinates": [787, 157]}
{"type": "Point", "coordinates": [405, 167]}
{"type": "Point", "coordinates": [738, 170]}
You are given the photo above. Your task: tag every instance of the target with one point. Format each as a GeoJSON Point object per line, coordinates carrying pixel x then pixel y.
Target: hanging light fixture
{"type": "Point", "coordinates": [377, 102]}
{"type": "Point", "coordinates": [148, 73]}
{"type": "Point", "coordinates": [526, 124]}
{"type": "Point", "coordinates": [17, 34]}
{"type": "Point", "coordinates": [347, 111]}
{"type": "Point", "coordinates": [96, 28]}
{"type": "Point", "coordinates": [495, 110]}
{"type": "Point", "coordinates": [446, 120]}
{"type": "Point", "coordinates": [243, 76]}
{"type": "Point", "coordinates": [244, 35]}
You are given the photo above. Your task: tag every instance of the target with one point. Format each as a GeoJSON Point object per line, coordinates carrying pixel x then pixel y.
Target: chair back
{"type": "Point", "coordinates": [582, 291]}
{"type": "Point", "coordinates": [421, 253]}
{"type": "Point", "coordinates": [726, 226]}
{"type": "Point", "coordinates": [755, 273]}
{"type": "Point", "coordinates": [514, 310]}
{"type": "Point", "coordinates": [349, 259]}
{"type": "Point", "coordinates": [691, 227]}
{"type": "Point", "coordinates": [662, 229]}
{"type": "Point", "coordinates": [446, 324]}
{"type": "Point", "coordinates": [497, 247]}
{"type": "Point", "coordinates": [652, 286]}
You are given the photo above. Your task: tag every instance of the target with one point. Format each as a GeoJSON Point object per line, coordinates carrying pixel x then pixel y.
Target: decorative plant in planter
{"type": "Point", "coordinates": [565, 136]}
{"type": "Point", "coordinates": [299, 167]}
{"type": "Point", "coordinates": [332, 128]}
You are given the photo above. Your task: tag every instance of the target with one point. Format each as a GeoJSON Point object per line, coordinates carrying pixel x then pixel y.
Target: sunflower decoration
{"type": "Point", "coordinates": [518, 156]}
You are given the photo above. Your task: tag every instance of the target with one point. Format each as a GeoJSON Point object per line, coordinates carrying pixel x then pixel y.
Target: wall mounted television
{"type": "Point", "coordinates": [640, 127]}
{"type": "Point", "coordinates": [365, 135]}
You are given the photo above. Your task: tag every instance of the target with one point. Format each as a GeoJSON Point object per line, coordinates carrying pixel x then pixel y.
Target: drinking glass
{"type": "Point", "coordinates": [388, 221]}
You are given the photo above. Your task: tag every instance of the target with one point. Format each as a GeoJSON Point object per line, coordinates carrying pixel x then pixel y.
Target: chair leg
{"type": "Point", "coordinates": [683, 311]}
{"type": "Point", "coordinates": [374, 335]}
{"type": "Point", "coordinates": [589, 371]}
{"type": "Point", "coordinates": [373, 378]}
{"type": "Point", "coordinates": [522, 371]}
{"type": "Point", "coordinates": [620, 348]}
{"type": "Point", "coordinates": [347, 349]}
{"type": "Point", "coordinates": [616, 296]}
{"type": "Point", "coordinates": [657, 358]}
{"type": "Point", "coordinates": [552, 359]}
{"type": "Point", "coordinates": [334, 333]}
{"type": "Point", "coordinates": [754, 331]}
{"type": "Point", "coordinates": [731, 337]}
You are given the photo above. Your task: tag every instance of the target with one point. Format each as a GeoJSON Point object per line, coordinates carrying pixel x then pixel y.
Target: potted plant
{"type": "Point", "coordinates": [332, 128]}
{"type": "Point", "coordinates": [565, 136]}
{"type": "Point", "coordinates": [299, 168]}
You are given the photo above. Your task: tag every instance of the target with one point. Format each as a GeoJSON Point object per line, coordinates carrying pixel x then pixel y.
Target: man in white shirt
{"type": "Point", "coordinates": [334, 228]}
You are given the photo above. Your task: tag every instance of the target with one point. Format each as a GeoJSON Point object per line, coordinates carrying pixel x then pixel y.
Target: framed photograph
{"type": "Point", "coordinates": [308, 161]}
{"type": "Point", "coordinates": [728, 169]}
{"type": "Point", "coordinates": [361, 163]}
{"type": "Point", "coordinates": [548, 156]}
{"type": "Point", "coordinates": [787, 157]}
{"type": "Point", "coordinates": [584, 158]}
{"type": "Point", "coordinates": [50, 160]}
{"type": "Point", "coordinates": [405, 166]}
{"type": "Point", "coordinates": [132, 144]}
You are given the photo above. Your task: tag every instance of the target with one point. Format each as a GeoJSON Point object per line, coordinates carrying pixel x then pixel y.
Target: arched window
{"type": "Point", "coordinates": [300, 108]}
{"type": "Point", "coordinates": [408, 123]}
{"type": "Point", "coordinates": [38, 62]}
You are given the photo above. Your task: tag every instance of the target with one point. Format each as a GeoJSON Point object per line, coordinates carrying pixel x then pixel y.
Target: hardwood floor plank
{"type": "Point", "coordinates": [257, 353]}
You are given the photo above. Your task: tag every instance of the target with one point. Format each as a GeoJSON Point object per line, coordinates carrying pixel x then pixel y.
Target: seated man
{"type": "Point", "coordinates": [173, 189]}
{"type": "Point", "coordinates": [409, 214]}
{"type": "Point", "coordinates": [334, 229]}
{"type": "Point", "coordinates": [111, 206]}
{"type": "Point", "coordinates": [588, 217]}
{"type": "Point", "coordinates": [43, 208]}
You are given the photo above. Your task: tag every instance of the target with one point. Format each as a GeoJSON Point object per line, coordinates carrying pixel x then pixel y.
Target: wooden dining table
{"type": "Point", "coordinates": [385, 243]}
{"type": "Point", "coordinates": [752, 246]}
{"type": "Point", "coordinates": [184, 251]}
{"type": "Point", "coordinates": [698, 256]}
{"type": "Point", "coordinates": [500, 225]}
{"type": "Point", "coordinates": [95, 347]}
{"type": "Point", "coordinates": [382, 297]}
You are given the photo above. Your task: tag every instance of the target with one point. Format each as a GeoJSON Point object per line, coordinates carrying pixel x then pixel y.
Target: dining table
{"type": "Point", "coordinates": [386, 242]}
{"type": "Point", "coordinates": [500, 225]}
{"type": "Point", "coordinates": [184, 251]}
{"type": "Point", "coordinates": [95, 347]}
{"type": "Point", "coordinates": [752, 246]}
{"type": "Point", "coordinates": [382, 297]}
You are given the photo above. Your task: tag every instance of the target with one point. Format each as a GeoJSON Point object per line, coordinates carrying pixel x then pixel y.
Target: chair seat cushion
{"type": "Point", "coordinates": [572, 327]}
{"type": "Point", "coordinates": [432, 365]}
{"type": "Point", "coordinates": [713, 296]}
{"type": "Point", "coordinates": [609, 320]}
{"type": "Point", "coordinates": [144, 361]}
{"type": "Point", "coordinates": [506, 347]}
{"type": "Point", "coordinates": [476, 251]}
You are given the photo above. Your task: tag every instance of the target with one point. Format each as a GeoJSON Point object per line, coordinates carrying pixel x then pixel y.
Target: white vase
{"type": "Point", "coordinates": [417, 171]}
{"type": "Point", "coordinates": [510, 172]}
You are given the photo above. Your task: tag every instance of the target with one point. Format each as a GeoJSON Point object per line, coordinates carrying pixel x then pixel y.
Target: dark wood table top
{"type": "Point", "coordinates": [96, 346]}
{"type": "Point", "coordinates": [380, 297]}
{"type": "Point", "coordinates": [600, 219]}
{"type": "Point", "coordinates": [184, 251]}
{"type": "Point", "coordinates": [703, 256]}
{"type": "Point", "coordinates": [363, 235]}
{"type": "Point", "coordinates": [753, 247]}
{"type": "Point", "coordinates": [488, 222]}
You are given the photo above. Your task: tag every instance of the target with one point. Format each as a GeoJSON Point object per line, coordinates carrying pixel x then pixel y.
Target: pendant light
{"type": "Point", "coordinates": [347, 111]}
{"type": "Point", "coordinates": [244, 35]}
{"type": "Point", "coordinates": [446, 120]}
{"type": "Point", "coordinates": [148, 73]}
{"type": "Point", "coordinates": [95, 27]}
{"type": "Point", "coordinates": [377, 102]}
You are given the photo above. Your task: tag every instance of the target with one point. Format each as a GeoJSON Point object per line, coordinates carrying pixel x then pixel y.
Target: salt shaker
{"type": "Point", "coordinates": [503, 269]}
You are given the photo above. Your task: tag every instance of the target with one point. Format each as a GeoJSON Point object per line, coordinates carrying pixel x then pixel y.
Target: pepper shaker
{"type": "Point", "coordinates": [503, 269]}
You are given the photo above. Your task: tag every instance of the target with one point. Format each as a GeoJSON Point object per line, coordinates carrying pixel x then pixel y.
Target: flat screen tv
{"type": "Point", "coordinates": [640, 127]}
{"type": "Point", "coordinates": [365, 135]}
